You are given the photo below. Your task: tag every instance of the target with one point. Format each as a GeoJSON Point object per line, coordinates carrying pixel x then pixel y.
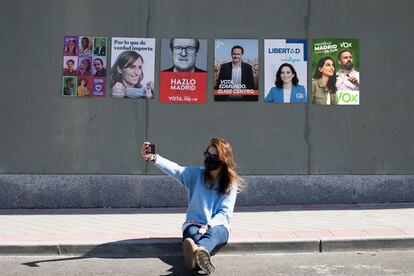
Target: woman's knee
{"type": "Point", "coordinates": [219, 232]}
{"type": "Point", "coordinates": [191, 232]}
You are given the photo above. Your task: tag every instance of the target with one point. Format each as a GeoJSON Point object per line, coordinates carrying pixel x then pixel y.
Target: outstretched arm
{"type": "Point", "coordinates": [179, 173]}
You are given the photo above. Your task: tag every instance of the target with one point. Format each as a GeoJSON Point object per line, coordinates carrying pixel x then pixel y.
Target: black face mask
{"type": "Point", "coordinates": [211, 162]}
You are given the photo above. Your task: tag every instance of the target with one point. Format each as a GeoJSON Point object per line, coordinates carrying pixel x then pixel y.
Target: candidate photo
{"type": "Point", "coordinates": [236, 67]}
{"type": "Point", "coordinates": [287, 88]}
{"type": "Point", "coordinates": [127, 74]}
{"type": "Point", "coordinates": [182, 55]}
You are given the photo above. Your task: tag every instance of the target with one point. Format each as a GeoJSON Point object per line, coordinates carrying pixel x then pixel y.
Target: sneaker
{"type": "Point", "coordinates": [202, 258]}
{"type": "Point", "coordinates": [189, 248]}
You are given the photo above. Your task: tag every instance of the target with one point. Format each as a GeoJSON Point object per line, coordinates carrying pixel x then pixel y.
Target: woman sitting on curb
{"type": "Point", "coordinates": [212, 192]}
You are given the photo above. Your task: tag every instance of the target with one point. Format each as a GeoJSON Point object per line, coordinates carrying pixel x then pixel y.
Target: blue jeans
{"type": "Point", "coordinates": [214, 237]}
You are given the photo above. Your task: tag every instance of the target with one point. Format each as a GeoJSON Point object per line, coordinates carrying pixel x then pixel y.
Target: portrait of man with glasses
{"type": "Point", "coordinates": [184, 55]}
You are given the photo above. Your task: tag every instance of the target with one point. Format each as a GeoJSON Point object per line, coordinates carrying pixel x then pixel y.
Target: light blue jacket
{"type": "Point", "coordinates": [297, 95]}
{"type": "Point", "coordinates": [205, 205]}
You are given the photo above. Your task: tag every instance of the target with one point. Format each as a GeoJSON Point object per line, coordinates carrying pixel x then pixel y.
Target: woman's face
{"type": "Point", "coordinates": [131, 75]}
{"type": "Point", "coordinates": [71, 45]}
{"type": "Point", "coordinates": [286, 74]}
{"type": "Point", "coordinates": [212, 150]}
{"type": "Point", "coordinates": [85, 64]}
{"type": "Point", "coordinates": [83, 82]}
{"type": "Point", "coordinates": [328, 68]}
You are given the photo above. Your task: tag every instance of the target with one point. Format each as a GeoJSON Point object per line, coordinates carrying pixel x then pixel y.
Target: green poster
{"type": "Point", "coordinates": [335, 72]}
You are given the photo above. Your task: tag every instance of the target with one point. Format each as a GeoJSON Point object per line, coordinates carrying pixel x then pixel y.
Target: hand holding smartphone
{"type": "Point", "coordinates": [148, 151]}
{"type": "Point", "coordinates": [151, 149]}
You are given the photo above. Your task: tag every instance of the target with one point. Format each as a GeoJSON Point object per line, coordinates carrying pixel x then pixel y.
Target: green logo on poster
{"type": "Point", "coordinates": [348, 98]}
{"type": "Point", "coordinates": [346, 44]}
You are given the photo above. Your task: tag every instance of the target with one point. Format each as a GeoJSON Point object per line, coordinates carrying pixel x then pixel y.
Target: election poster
{"type": "Point", "coordinates": [285, 70]}
{"type": "Point", "coordinates": [236, 70]}
{"type": "Point", "coordinates": [335, 72]}
{"type": "Point", "coordinates": [183, 72]}
{"type": "Point", "coordinates": [84, 69]}
{"type": "Point", "coordinates": [132, 67]}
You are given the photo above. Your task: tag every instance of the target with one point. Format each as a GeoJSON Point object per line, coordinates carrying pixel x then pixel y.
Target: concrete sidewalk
{"type": "Point", "coordinates": [155, 232]}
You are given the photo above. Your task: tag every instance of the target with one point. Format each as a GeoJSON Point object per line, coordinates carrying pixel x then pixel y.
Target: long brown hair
{"type": "Point", "coordinates": [318, 74]}
{"type": "Point", "coordinates": [228, 175]}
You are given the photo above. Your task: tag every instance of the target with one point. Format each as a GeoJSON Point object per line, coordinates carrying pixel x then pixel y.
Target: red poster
{"type": "Point", "coordinates": [183, 87]}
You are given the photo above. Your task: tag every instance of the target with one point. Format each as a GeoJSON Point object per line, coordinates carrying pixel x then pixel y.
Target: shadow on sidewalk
{"type": "Point", "coordinates": [167, 250]}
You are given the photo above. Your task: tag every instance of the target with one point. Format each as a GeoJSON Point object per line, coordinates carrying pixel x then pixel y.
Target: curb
{"type": "Point", "coordinates": [272, 245]}
{"type": "Point", "coordinates": [377, 243]}
{"type": "Point", "coordinates": [172, 247]}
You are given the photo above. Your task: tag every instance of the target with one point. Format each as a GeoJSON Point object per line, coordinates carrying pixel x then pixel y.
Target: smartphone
{"type": "Point", "coordinates": [151, 148]}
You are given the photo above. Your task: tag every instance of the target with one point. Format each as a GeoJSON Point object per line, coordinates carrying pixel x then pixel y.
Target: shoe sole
{"type": "Point", "coordinates": [204, 262]}
{"type": "Point", "coordinates": [188, 252]}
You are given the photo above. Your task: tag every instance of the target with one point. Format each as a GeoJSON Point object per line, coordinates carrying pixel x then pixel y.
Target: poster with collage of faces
{"type": "Point", "coordinates": [84, 66]}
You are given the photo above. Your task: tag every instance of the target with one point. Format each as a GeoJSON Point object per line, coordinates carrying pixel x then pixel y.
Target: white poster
{"type": "Point", "coordinates": [132, 67]}
{"type": "Point", "coordinates": [285, 71]}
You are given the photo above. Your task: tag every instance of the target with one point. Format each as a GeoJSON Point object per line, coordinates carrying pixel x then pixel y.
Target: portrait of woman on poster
{"type": "Point", "coordinates": [69, 88]}
{"type": "Point", "coordinates": [324, 82]}
{"type": "Point", "coordinates": [126, 76]}
{"type": "Point", "coordinates": [71, 49]}
{"type": "Point", "coordinates": [82, 88]}
{"type": "Point", "coordinates": [287, 89]}
{"type": "Point", "coordinates": [85, 67]}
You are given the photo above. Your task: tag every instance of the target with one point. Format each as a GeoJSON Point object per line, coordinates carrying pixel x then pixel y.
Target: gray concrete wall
{"type": "Point", "coordinates": [116, 191]}
{"type": "Point", "coordinates": [44, 133]}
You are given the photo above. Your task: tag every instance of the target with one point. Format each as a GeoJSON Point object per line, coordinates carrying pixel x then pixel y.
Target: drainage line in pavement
{"type": "Point", "coordinates": [59, 250]}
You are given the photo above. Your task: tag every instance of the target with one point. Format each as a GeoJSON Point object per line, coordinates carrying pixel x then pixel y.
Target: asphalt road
{"type": "Point", "coordinates": [356, 263]}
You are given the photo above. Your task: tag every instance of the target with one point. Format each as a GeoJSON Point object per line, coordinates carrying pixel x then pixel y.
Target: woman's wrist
{"type": "Point", "coordinates": [153, 158]}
